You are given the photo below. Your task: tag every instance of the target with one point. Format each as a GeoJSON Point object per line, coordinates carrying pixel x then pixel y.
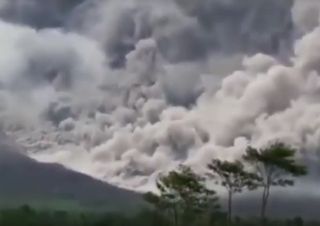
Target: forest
{"type": "Point", "coordinates": [185, 198]}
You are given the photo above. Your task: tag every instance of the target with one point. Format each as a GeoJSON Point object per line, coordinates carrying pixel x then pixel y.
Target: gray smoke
{"type": "Point", "coordinates": [122, 90]}
{"type": "Point", "coordinates": [187, 30]}
{"type": "Point", "coordinates": [38, 13]}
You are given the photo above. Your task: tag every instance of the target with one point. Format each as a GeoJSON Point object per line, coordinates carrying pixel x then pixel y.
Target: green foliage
{"type": "Point", "coordinates": [183, 195]}
{"type": "Point", "coordinates": [232, 176]}
{"type": "Point", "coordinates": [183, 198]}
{"type": "Point", "coordinates": [275, 162]}
{"type": "Point", "coordinates": [26, 216]}
{"type": "Point", "coordinates": [274, 165]}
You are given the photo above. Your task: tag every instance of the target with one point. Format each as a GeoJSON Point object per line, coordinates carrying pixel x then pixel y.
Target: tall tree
{"type": "Point", "coordinates": [274, 165]}
{"type": "Point", "coordinates": [232, 176]}
{"type": "Point", "coordinates": [184, 194]}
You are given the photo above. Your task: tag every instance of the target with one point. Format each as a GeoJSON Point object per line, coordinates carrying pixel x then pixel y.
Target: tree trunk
{"type": "Point", "coordinates": [265, 198]}
{"type": "Point", "coordinates": [175, 216]}
{"type": "Point", "coordinates": [229, 208]}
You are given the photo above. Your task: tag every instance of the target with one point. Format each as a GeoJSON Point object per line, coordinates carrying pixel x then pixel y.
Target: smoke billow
{"type": "Point", "coordinates": [124, 89]}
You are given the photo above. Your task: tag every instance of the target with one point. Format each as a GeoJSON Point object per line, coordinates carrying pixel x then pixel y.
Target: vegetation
{"type": "Point", "coordinates": [26, 216]}
{"type": "Point", "coordinates": [232, 176]}
{"type": "Point", "coordinates": [184, 198]}
{"type": "Point", "coordinates": [183, 191]}
{"type": "Point", "coordinates": [274, 166]}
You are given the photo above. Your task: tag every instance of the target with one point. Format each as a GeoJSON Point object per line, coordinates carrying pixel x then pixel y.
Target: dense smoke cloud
{"type": "Point", "coordinates": [122, 90]}
{"type": "Point", "coordinates": [184, 31]}
{"type": "Point", "coordinates": [38, 13]}
{"type": "Point", "coordinates": [187, 30]}
{"type": "Point", "coordinates": [306, 15]}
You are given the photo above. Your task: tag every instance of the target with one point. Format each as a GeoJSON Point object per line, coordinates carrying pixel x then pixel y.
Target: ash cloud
{"type": "Point", "coordinates": [122, 90]}
{"type": "Point", "coordinates": [188, 30]}
{"type": "Point", "coordinates": [38, 13]}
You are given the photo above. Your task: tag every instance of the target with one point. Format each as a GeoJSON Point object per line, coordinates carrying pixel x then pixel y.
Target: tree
{"type": "Point", "coordinates": [184, 195]}
{"type": "Point", "coordinates": [274, 166]}
{"type": "Point", "coordinates": [232, 176]}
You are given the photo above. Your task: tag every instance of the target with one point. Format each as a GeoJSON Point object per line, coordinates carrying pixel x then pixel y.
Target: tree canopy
{"type": "Point", "coordinates": [183, 193]}
{"type": "Point", "coordinates": [274, 165]}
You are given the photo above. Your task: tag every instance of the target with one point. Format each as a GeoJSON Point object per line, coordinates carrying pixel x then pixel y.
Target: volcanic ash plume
{"type": "Point", "coordinates": [122, 90]}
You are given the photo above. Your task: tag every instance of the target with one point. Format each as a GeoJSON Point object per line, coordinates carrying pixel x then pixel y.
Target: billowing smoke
{"type": "Point", "coordinates": [187, 30]}
{"type": "Point", "coordinates": [122, 90]}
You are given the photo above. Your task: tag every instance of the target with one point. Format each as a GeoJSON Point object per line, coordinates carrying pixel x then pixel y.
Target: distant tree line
{"type": "Point", "coordinates": [26, 216]}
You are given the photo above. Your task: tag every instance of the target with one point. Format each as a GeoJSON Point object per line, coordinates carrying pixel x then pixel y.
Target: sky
{"type": "Point", "coordinates": [123, 90]}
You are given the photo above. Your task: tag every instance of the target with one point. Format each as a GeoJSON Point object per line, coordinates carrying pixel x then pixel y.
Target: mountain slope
{"type": "Point", "coordinates": [25, 180]}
